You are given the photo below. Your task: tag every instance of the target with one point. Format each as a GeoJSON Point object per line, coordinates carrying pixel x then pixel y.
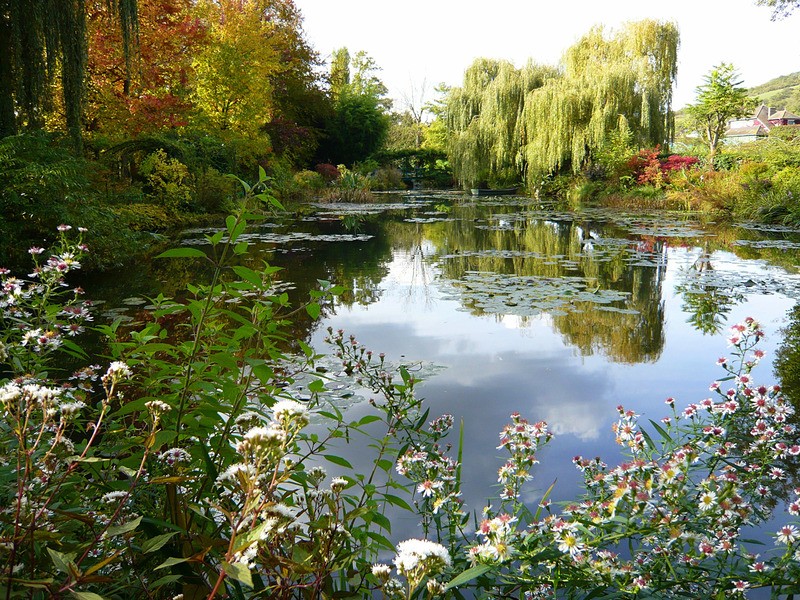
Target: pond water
{"type": "Point", "coordinates": [510, 305]}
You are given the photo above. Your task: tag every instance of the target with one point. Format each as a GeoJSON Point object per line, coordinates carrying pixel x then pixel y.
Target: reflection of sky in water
{"type": "Point", "coordinates": [496, 365]}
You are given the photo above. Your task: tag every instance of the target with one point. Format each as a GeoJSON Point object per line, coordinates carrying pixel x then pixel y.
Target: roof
{"type": "Point", "coordinates": [742, 131]}
{"type": "Point", "coordinates": [782, 114]}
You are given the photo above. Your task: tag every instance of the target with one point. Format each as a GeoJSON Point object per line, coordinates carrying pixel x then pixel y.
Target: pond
{"type": "Point", "coordinates": [509, 304]}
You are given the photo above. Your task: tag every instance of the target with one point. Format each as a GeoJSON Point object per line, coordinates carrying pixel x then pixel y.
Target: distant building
{"type": "Point", "coordinates": [759, 125]}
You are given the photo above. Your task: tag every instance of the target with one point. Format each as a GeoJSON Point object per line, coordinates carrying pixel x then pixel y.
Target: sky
{"type": "Point", "coordinates": [421, 43]}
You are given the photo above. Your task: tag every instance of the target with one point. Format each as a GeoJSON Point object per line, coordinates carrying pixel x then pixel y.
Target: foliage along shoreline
{"type": "Point", "coordinates": [189, 468]}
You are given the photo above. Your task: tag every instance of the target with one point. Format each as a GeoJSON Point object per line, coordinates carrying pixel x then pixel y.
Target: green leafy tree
{"type": "Point", "coordinates": [357, 74]}
{"type": "Point", "coordinates": [340, 72]}
{"type": "Point", "coordinates": [630, 73]}
{"type": "Point", "coordinates": [360, 120]}
{"type": "Point", "coordinates": [719, 99]}
{"type": "Point", "coordinates": [357, 130]}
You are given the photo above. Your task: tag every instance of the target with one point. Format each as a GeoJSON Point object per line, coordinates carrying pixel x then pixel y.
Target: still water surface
{"type": "Point", "coordinates": [509, 305]}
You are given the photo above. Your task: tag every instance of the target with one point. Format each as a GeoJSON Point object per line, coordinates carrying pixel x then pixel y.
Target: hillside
{"type": "Point", "coordinates": [781, 92]}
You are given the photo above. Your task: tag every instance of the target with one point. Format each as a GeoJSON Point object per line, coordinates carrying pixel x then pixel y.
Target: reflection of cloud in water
{"type": "Point", "coordinates": [492, 371]}
{"type": "Point", "coordinates": [547, 389]}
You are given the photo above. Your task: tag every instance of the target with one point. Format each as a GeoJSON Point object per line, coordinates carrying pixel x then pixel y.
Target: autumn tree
{"type": "Point", "coordinates": [719, 99]}
{"type": "Point", "coordinates": [300, 104]}
{"type": "Point", "coordinates": [234, 69]}
{"type": "Point", "coordinates": [151, 91]}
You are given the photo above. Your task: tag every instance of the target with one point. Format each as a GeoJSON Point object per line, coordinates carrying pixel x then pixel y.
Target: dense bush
{"type": "Point", "coordinates": [166, 181]}
{"type": "Point", "coordinates": [386, 178]}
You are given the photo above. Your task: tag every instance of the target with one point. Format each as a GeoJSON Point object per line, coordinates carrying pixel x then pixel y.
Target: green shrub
{"type": "Point", "coordinates": [387, 178]}
{"type": "Point", "coordinates": [707, 191]}
{"type": "Point", "coordinates": [167, 181]}
{"type": "Point", "coordinates": [309, 180]}
{"type": "Point", "coordinates": [213, 192]}
{"type": "Point", "coordinates": [144, 216]}
{"type": "Point", "coordinates": [350, 187]}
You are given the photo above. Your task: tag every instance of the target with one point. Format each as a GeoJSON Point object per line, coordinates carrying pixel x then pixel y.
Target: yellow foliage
{"type": "Point", "coordinates": [232, 71]}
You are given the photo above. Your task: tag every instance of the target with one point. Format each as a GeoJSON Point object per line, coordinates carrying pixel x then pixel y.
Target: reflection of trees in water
{"type": "Point", "coordinates": [707, 303]}
{"type": "Point", "coordinates": [787, 360]}
{"type": "Point", "coordinates": [409, 238]}
{"type": "Point", "coordinates": [554, 249]}
{"type": "Point", "coordinates": [624, 337]}
{"type": "Point", "coordinates": [359, 267]}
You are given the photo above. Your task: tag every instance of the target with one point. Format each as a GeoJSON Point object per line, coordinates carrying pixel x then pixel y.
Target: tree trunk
{"type": "Point", "coordinates": [8, 118]}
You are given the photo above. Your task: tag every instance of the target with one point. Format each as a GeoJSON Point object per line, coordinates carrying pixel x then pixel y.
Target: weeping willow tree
{"type": "Point", "coordinates": [484, 120]}
{"type": "Point", "coordinates": [506, 124]}
{"type": "Point", "coordinates": [41, 41]}
{"type": "Point", "coordinates": [629, 75]}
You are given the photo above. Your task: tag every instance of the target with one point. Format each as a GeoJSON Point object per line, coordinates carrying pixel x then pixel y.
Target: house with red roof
{"type": "Point", "coordinates": [759, 125]}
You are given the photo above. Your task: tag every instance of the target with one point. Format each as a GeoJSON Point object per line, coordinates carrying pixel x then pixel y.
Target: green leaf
{"type": "Point", "coordinates": [61, 561]}
{"type": "Point", "coordinates": [338, 460]}
{"type": "Point", "coordinates": [183, 253]}
{"type": "Point", "coordinates": [127, 527]}
{"type": "Point", "coordinates": [313, 310]}
{"type": "Point", "coordinates": [648, 440]}
{"type": "Point", "coordinates": [247, 274]}
{"type": "Point", "coordinates": [239, 572]}
{"type": "Point", "coordinates": [73, 349]}
{"type": "Point", "coordinates": [382, 541]}
{"type": "Point", "coordinates": [157, 542]}
{"type": "Point", "coordinates": [382, 522]}
{"type": "Point", "coordinates": [467, 576]}
{"type": "Point", "coordinates": [660, 430]}
{"type": "Point", "coordinates": [262, 174]}
{"type": "Point", "coordinates": [86, 595]}
{"type": "Point", "coordinates": [317, 386]}
{"type": "Point", "coordinates": [397, 501]}
{"type": "Point", "coordinates": [34, 583]}
{"type": "Point", "coordinates": [216, 238]}
{"type": "Point", "coordinates": [165, 580]}
{"type": "Point", "coordinates": [169, 562]}
{"type": "Point", "coordinates": [235, 228]}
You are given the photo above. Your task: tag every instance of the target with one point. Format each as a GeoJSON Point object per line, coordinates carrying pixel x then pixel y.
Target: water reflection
{"type": "Point", "coordinates": [706, 301]}
{"type": "Point", "coordinates": [522, 307]}
{"type": "Point", "coordinates": [603, 290]}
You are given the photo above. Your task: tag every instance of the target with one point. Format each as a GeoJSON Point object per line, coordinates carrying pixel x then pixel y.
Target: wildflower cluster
{"type": "Point", "coordinates": [522, 440]}
{"type": "Point", "coordinates": [52, 431]}
{"type": "Point", "coordinates": [435, 476]}
{"type": "Point", "coordinates": [681, 504]}
{"type": "Point", "coordinates": [38, 314]}
{"type": "Point", "coordinates": [499, 536]}
{"type": "Point", "coordinates": [425, 463]}
{"type": "Point", "coordinates": [262, 449]}
{"type": "Point", "coordinates": [415, 560]}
